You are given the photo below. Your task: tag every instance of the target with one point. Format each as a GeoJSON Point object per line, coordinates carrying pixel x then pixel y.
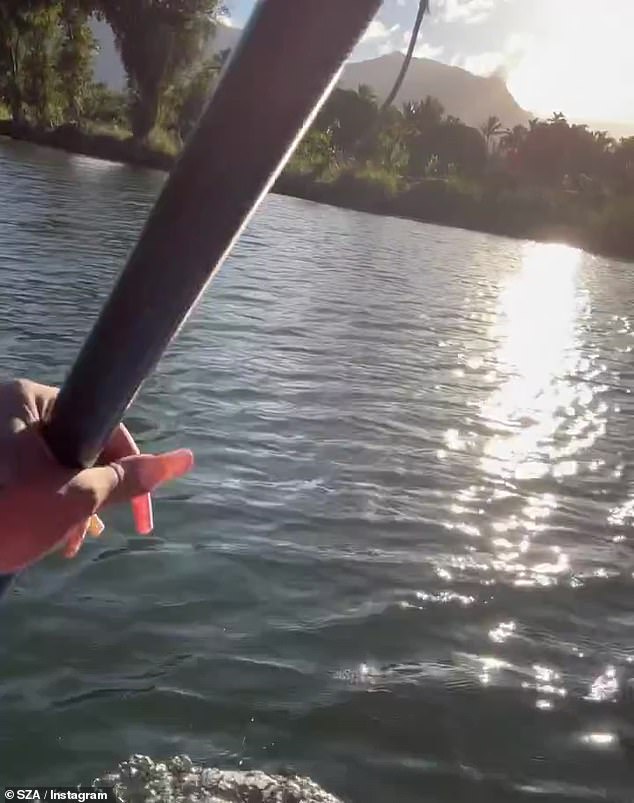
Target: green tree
{"type": "Point", "coordinates": [349, 115]}
{"type": "Point", "coordinates": [513, 138]}
{"type": "Point", "coordinates": [21, 28]}
{"type": "Point", "coordinates": [38, 76]}
{"type": "Point", "coordinates": [424, 114]}
{"type": "Point", "coordinates": [157, 41]}
{"type": "Point", "coordinates": [491, 129]}
{"type": "Point", "coordinates": [187, 99]}
{"type": "Point", "coordinates": [314, 154]}
{"type": "Point", "coordinates": [75, 60]}
{"type": "Point", "coordinates": [103, 105]}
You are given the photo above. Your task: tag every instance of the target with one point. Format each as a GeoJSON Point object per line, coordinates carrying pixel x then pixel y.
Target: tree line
{"type": "Point", "coordinates": [420, 140]}
{"type": "Point", "coordinates": [47, 50]}
{"type": "Point", "coordinates": [548, 178]}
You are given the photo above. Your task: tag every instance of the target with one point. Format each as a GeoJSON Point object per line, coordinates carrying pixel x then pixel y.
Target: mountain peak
{"type": "Point", "coordinates": [472, 98]}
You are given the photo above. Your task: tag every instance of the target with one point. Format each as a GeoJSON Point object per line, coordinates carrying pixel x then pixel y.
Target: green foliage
{"type": "Point", "coordinates": [378, 179]}
{"type": "Point", "coordinates": [185, 101]}
{"type": "Point", "coordinates": [314, 154]}
{"type": "Point", "coordinates": [164, 141]}
{"type": "Point", "coordinates": [103, 105]}
{"type": "Point", "coordinates": [548, 151]}
{"type": "Point", "coordinates": [46, 51]}
{"type": "Point", "coordinates": [157, 41]}
{"type": "Point", "coordinates": [39, 80]}
{"type": "Point", "coordinates": [368, 185]}
{"type": "Point", "coordinates": [74, 61]}
{"type": "Point", "coordinates": [348, 115]}
{"type": "Point", "coordinates": [612, 229]}
{"type": "Point", "coordinates": [21, 23]}
{"type": "Point", "coordinates": [104, 129]}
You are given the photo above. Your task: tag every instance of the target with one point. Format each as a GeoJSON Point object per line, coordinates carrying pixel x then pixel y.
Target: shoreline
{"type": "Point", "coordinates": [426, 202]}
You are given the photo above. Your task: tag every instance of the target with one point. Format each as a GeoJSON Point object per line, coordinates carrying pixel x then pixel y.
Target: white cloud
{"type": "Point", "coordinates": [227, 20]}
{"type": "Point", "coordinates": [470, 11]}
{"type": "Point", "coordinates": [483, 63]}
{"type": "Point", "coordinates": [423, 50]}
{"type": "Point", "coordinates": [427, 51]}
{"type": "Point", "coordinates": [378, 30]}
{"type": "Point", "coordinates": [491, 61]}
{"type": "Point", "coordinates": [381, 39]}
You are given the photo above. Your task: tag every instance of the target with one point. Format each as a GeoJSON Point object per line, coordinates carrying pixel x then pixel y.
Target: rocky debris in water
{"type": "Point", "coordinates": [179, 780]}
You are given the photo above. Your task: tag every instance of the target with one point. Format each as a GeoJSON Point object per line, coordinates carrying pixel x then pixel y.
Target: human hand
{"type": "Point", "coordinates": [44, 506]}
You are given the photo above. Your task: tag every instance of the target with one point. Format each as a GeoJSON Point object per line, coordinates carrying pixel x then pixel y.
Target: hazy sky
{"type": "Point", "coordinates": [575, 56]}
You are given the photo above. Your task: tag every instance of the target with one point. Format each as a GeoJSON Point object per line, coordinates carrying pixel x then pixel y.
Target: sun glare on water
{"type": "Point", "coordinates": [536, 328]}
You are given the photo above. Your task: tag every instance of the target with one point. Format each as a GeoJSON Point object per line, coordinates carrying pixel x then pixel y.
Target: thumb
{"type": "Point", "coordinates": [126, 479]}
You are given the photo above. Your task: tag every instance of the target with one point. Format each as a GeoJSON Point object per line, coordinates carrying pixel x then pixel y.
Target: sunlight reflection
{"type": "Point", "coordinates": [537, 331]}
{"type": "Point", "coordinates": [548, 686]}
{"type": "Point", "coordinates": [541, 413]}
{"type": "Point", "coordinates": [489, 667]}
{"type": "Point", "coordinates": [599, 739]}
{"type": "Point", "coordinates": [606, 687]}
{"type": "Point", "coordinates": [502, 632]}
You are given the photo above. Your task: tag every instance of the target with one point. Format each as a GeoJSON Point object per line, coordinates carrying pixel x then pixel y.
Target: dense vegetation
{"type": "Point", "coordinates": [549, 179]}
{"type": "Point", "coordinates": [46, 63]}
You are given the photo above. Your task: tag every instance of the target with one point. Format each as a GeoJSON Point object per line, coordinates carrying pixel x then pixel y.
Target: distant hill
{"type": "Point", "coordinates": [470, 97]}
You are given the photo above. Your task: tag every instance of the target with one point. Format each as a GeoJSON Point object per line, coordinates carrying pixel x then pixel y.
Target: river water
{"type": "Point", "coordinates": [403, 564]}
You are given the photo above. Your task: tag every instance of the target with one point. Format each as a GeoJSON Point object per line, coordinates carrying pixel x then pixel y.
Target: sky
{"type": "Point", "coordinates": [573, 56]}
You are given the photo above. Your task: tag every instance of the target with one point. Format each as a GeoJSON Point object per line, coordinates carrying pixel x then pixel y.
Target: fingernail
{"type": "Point", "coordinates": [96, 526]}
{"type": "Point", "coordinates": [180, 462]}
{"type": "Point", "coordinates": [142, 514]}
{"type": "Point", "coordinates": [165, 467]}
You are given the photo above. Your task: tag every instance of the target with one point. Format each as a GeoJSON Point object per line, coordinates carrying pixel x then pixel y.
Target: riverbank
{"type": "Point", "coordinates": [603, 225]}
{"type": "Point", "coordinates": [100, 146]}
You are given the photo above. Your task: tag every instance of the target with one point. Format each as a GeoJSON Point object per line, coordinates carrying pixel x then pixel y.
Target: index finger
{"type": "Point", "coordinates": [122, 444]}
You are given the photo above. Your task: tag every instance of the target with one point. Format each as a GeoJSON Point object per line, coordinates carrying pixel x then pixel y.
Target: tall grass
{"type": "Point", "coordinates": [100, 129]}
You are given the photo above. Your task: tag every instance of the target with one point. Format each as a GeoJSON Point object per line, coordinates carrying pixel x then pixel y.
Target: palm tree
{"type": "Point", "coordinates": [490, 129]}
{"type": "Point", "coordinates": [605, 142]}
{"type": "Point", "coordinates": [558, 117]}
{"type": "Point", "coordinates": [365, 140]}
{"type": "Point", "coordinates": [424, 114]}
{"type": "Point", "coordinates": [514, 137]}
{"type": "Point", "coordinates": [423, 7]}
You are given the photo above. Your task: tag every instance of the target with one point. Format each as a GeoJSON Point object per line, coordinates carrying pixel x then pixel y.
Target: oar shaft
{"type": "Point", "coordinates": [286, 62]}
